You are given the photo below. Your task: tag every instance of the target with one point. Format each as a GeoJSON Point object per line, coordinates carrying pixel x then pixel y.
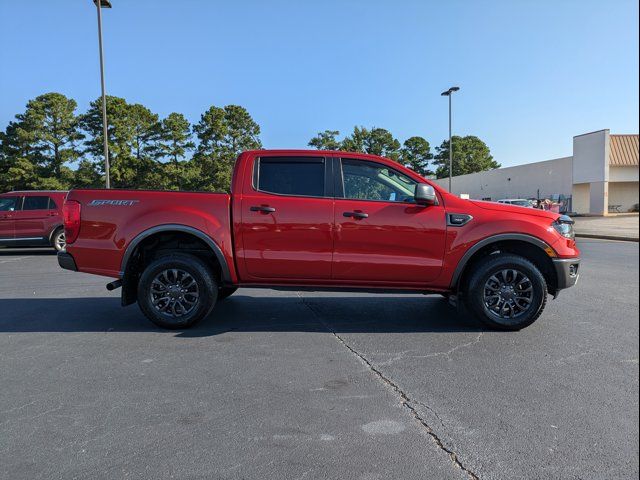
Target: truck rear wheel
{"type": "Point", "coordinates": [177, 291]}
{"type": "Point", "coordinates": [506, 292]}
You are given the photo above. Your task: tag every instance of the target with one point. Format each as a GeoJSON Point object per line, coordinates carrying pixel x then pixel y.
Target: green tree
{"type": "Point", "coordinates": [174, 142]}
{"type": "Point", "coordinates": [326, 140]}
{"type": "Point", "coordinates": [36, 146]}
{"type": "Point", "coordinates": [223, 133]}
{"type": "Point", "coordinates": [16, 171]}
{"type": "Point", "coordinates": [470, 155]}
{"type": "Point", "coordinates": [87, 176]}
{"type": "Point", "coordinates": [377, 141]}
{"type": "Point", "coordinates": [119, 136]}
{"type": "Point", "coordinates": [146, 130]}
{"type": "Point", "coordinates": [131, 133]}
{"type": "Point", "coordinates": [50, 127]}
{"type": "Point", "coordinates": [382, 143]}
{"type": "Point", "coordinates": [355, 142]}
{"type": "Point", "coordinates": [416, 154]}
{"type": "Point", "coordinates": [18, 174]}
{"type": "Point", "coordinates": [15, 142]}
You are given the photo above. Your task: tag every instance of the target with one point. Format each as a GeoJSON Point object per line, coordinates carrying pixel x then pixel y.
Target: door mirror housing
{"type": "Point", "coordinates": [425, 195]}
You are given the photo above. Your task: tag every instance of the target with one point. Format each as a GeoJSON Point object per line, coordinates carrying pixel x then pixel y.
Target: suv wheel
{"type": "Point", "coordinates": [58, 240]}
{"type": "Point", "coordinates": [177, 291]}
{"type": "Point", "coordinates": [506, 292]}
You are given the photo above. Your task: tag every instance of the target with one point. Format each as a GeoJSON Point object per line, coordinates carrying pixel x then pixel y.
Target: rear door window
{"type": "Point", "coordinates": [36, 202]}
{"type": "Point", "coordinates": [303, 176]}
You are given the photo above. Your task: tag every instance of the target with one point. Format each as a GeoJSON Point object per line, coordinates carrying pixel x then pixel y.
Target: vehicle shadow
{"type": "Point", "coordinates": [39, 251]}
{"type": "Point", "coordinates": [242, 313]}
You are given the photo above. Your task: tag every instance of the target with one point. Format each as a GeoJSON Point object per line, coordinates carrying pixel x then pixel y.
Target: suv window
{"type": "Point", "coordinates": [35, 203]}
{"type": "Point", "coordinates": [365, 180]}
{"type": "Point", "coordinates": [291, 175]}
{"type": "Point", "coordinates": [8, 204]}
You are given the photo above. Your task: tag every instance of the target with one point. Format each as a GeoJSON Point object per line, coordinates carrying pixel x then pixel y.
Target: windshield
{"type": "Point", "coordinates": [521, 203]}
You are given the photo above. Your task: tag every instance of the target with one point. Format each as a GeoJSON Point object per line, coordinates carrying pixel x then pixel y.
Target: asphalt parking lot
{"type": "Point", "coordinates": [316, 385]}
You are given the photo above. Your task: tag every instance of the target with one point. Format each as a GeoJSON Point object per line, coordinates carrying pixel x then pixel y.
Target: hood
{"type": "Point", "coordinates": [501, 207]}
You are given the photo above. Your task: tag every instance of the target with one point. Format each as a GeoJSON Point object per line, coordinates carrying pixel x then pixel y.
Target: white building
{"type": "Point", "coordinates": [600, 177]}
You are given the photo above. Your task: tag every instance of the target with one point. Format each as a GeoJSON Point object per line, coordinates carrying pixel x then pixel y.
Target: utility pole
{"type": "Point", "coordinates": [449, 93]}
{"type": "Point", "coordinates": [100, 4]}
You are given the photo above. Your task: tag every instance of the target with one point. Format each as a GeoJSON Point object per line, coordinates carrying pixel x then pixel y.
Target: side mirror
{"type": "Point", "coordinates": [425, 195]}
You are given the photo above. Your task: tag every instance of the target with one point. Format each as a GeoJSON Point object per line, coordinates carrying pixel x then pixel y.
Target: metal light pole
{"type": "Point", "coordinates": [100, 4]}
{"type": "Point", "coordinates": [449, 93]}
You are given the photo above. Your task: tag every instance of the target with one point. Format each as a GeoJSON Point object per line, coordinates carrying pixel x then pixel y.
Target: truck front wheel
{"type": "Point", "coordinates": [506, 292]}
{"type": "Point", "coordinates": [177, 291]}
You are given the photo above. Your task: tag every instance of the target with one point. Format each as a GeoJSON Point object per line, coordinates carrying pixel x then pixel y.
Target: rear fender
{"type": "Point", "coordinates": [129, 289]}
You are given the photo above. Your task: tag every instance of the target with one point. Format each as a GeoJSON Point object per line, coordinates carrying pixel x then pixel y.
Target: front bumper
{"type": "Point", "coordinates": [66, 261]}
{"type": "Point", "coordinates": [567, 272]}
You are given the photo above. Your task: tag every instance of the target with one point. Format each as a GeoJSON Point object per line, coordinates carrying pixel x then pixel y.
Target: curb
{"type": "Point", "coordinates": [607, 237]}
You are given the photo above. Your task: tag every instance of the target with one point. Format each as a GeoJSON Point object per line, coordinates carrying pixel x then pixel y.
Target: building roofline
{"type": "Point", "coordinates": [589, 133]}
{"type": "Point", "coordinates": [511, 166]}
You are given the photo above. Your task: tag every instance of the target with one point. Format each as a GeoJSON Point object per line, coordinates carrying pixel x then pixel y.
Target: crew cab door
{"type": "Point", "coordinates": [382, 235]}
{"type": "Point", "coordinates": [287, 219]}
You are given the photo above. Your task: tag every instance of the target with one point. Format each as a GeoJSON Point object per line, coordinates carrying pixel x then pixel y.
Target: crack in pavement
{"type": "Point", "coordinates": [449, 352]}
{"type": "Point", "coordinates": [405, 400]}
{"type": "Point", "coordinates": [402, 355]}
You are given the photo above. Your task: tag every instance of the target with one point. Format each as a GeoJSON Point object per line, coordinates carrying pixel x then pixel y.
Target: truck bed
{"type": "Point", "coordinates": [112, 219]}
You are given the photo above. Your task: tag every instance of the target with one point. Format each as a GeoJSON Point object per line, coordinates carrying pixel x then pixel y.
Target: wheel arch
{"type": "Point", "coordinates": [527, 246]}
{"type": "Point", "coordinates": [54, 230]}
{"type": "Point", "coordinates": [146, 238]}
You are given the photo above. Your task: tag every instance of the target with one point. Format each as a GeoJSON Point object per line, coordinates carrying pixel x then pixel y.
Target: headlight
{"type": "Point", "coordinates": [564, 226]}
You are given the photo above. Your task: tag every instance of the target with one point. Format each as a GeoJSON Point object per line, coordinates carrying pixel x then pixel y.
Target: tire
{"type": "Point", "coordinates": [502, 299]}
{"type": "Point", "coordinates": [177, 291]}
{"type": "Point", "coordinates": [58, 240]}
{"type": "Point", "coordinates": [226, 292]}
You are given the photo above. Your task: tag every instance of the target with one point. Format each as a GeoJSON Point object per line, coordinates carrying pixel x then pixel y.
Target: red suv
{"type": "Point", "coordinates": [32, 219]}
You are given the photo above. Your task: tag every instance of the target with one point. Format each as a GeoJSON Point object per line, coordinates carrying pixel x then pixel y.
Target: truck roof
{"type": "Point", "coordinates": [313, 152]}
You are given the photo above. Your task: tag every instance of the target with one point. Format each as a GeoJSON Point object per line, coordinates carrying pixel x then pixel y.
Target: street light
{"type": "Point", "coordinates": [100, 4]}
{"type": "Point", "coordinates": [449, 93]}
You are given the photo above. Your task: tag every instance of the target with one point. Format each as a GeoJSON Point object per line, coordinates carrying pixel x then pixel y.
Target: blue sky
{"type": "Point", "coordinates": [532, 73]}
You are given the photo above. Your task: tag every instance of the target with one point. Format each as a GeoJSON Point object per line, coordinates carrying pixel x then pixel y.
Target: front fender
{"type": "Point", "coordinates": [463, 242]}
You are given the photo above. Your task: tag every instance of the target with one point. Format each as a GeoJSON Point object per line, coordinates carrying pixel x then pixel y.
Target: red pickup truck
{"type": "Point", "coordinates": [319, 220]}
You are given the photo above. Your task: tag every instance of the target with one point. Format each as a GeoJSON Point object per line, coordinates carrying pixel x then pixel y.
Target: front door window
{"type": "Point", "coordinates": [372, 181]}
